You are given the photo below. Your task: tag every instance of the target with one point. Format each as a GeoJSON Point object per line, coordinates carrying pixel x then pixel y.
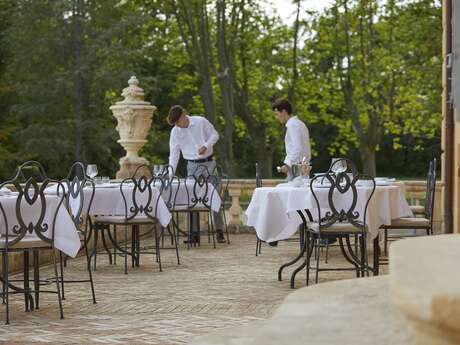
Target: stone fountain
{"type": "Point", "coordinates": [134, 117]}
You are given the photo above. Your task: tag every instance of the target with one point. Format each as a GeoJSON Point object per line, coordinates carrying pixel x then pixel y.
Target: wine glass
{"type": "Point", "coordinates": [91, 170]}
{"type": "Point", "coordinates": [155, 170]}
{"type": "Point", "coordinates": [338, 165]}
{"type": "Point", "coordinates": [161, 169]}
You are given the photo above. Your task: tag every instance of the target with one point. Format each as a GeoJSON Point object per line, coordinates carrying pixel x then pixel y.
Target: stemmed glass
{"type": "Point", "coordinates": [161, 169]}
{"type": "Point", "coordinates": [339, 165]}
{"type": "Point", "coordinates": [155, 170]}
{"type": "Point", "coordinates": [91, 170]}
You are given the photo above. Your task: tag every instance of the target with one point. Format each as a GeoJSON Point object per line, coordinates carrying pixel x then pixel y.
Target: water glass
{"type": "Point", "coordinates": [338, 165]}
{"type": "Point", "coordinates": [161, 169]}
{"type": "Point", "coordinates": [155, 170]}
{"type": "Point", "coordinates": [105, 179]}
{"type": "Point", "coordinates": [91, 170]}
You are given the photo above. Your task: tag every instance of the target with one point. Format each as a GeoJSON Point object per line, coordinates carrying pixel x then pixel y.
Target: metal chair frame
{"type": "Point", "coordinates": [30, 193]}
{"type": "Point", "coordinates": [340, 182]}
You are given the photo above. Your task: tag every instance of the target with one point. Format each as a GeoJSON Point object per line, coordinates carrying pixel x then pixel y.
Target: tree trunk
{"type": "Point", "coordinates": [368, 160]}
{"type": "Point", "coordinates": [78, 78]}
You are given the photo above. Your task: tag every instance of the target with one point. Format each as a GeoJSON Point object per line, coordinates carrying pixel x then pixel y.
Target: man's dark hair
{"type": "Point", "coordinates": [282, 104]}
{"type": "Point", "coordinates": [175, 113]}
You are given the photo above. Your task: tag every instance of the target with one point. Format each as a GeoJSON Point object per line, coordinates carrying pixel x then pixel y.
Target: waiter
{"type": "Point", "coordinates": [195, 137]}
{"type": "Point", "coordinates": [297, 138]}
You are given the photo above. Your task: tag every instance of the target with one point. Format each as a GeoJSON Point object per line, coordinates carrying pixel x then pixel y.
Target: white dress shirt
{"type": "Point", "coordinates": [297, 141]}
{"type": "Point", "coordinates": [200, 132]}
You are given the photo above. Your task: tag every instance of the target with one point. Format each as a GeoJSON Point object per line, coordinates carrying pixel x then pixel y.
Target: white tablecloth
{"type": "Point", "coordinates": [66, 237]}
{"type": "Point", "coordinates": [273, 210]}
{"type": "Point", "coordinates": [181, 199]}
{"type": "Point", "coordinates": [109, 202]}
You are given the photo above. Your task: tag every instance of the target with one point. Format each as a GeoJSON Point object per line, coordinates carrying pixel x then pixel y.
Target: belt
{"type": "Point", "coordinates": [207, 159]}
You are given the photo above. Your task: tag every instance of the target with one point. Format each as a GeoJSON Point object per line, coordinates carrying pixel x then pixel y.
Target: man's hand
{"type": "Point", "coordinates": [284, 169]}
{"type": "Point", "coordinates": [202, 150]}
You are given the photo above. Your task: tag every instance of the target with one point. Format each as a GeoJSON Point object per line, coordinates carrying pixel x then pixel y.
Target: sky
{"type": "Point", "coordinates": [286, 9]}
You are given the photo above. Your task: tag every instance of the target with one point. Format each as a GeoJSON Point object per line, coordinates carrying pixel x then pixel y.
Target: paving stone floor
{"type": "Point", "coordinates": [210, 290]}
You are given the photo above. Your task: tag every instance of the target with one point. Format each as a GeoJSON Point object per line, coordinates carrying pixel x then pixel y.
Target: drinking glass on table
{"type": "Point", "coordinates": [91, 170]}
{"type": "Point", "coordinates": [155, 170]}
{"type": "Point", "coordinates": [338, 165]}
{"type": "Point", "coordinates": [161, 169]}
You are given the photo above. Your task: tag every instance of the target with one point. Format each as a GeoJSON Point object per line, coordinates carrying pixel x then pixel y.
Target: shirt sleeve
{"type": "Point", "coordinates": [211, 134]}
{"type": "Point", "coordinates": [174, 152]}
{"type": "Point", "coordinates": [293, 145]}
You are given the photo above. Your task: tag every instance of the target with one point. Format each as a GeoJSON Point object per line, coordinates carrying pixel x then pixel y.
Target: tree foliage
{"type": "Point", "coordinates": [365, 75]}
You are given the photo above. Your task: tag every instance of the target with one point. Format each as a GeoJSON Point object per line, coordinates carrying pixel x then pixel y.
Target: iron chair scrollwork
{"type": "Point", "coordinates": [79, 196]}
{"type": "Point", "coordinates": [343, 218]}
{"type": "Point", "coordinates": [199, 189]}
{"type": "Point", "coordinates": [258, 185]}
{"type": "Point", "coordinates": [30, 227]}
{"type": "Point", "coordinates": [140, 203]}
{"type": "Point", "coordinates": [418, 223]}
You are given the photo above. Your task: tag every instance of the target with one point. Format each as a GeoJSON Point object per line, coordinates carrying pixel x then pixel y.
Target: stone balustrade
{"type": "Point", "coordinates": [240, 191]}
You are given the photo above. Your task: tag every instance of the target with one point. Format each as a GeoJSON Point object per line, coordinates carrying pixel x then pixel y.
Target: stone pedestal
{"type": "Point", "coordinates": [134, 117]}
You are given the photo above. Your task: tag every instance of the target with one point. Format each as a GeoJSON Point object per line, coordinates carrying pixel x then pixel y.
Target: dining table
{"type": "Point", "coordinates": [274, 211]}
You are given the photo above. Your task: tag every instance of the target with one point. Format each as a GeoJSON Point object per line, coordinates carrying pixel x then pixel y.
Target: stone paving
{"type": "Point", "coordinates": [212, 289]}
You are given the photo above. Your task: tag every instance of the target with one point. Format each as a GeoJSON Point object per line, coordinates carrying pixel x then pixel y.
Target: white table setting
{"type": "Point", "coordinates": [273, 210]}
{"type": "Point", "coordinates": [66, 237]}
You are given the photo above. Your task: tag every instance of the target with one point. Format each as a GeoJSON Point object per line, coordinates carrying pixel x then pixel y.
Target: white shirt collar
{"type": "Point", "coordinates": [290, 120]}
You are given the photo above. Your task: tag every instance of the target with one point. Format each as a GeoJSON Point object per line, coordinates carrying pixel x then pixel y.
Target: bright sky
{"type": "Point", "coordinates": [286, 8]}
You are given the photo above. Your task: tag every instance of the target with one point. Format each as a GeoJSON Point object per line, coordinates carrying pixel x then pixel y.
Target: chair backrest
{"type": "Point", "coordinates": [32, 210]}
{"type": "Point", "coordinates": [75, 200]}
{"type": "Point", "coordinates": [220, 181]}
{"type": "Point", "coordinates": [140, 194]}
{"type": "Point", "coordinates": [342, 195]}
{"type": "Point", "coordinates": [169, 187]}
{"type": "Point", "coordinates": [258, 176]}
{"type": "Point", "coordinates": [430, 191]}
{"type": "Point", "coordinates": [198, 187]}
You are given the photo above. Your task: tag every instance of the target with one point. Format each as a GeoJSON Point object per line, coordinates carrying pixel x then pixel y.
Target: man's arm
{"type": "Point", "coordinates": [212, 134]}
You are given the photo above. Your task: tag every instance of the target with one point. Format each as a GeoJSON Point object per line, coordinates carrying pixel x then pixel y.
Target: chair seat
{"type": "Point", "coordinates": [417, 209]}
{"type": "Point", "coordinates": [25, 243]}
{"type": "Point", "coordinates": [410, 223]}
{"type": "Point", "coordinates": [122, 220]}
{"type": "Point", "coordinates": [337, 228]}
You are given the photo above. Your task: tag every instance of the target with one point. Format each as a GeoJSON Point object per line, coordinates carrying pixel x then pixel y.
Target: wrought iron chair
{"type": "Point", "coordinates": [420, 210]}
{"type": "Point", "coordinates": [200, 200]}
{"type": "Point", "coordinates": [342, 220]}
{"type": "Point", "coordinates": [140, 208]}
{"type": "Point", "coordinates": [30, 234]}
{"type": "Point", "coordinates": [419, 223]}
{"type": "Point", "coordinates": [221, 187]}
{"type": "Point", "coordinates": [78, 203]}
{"type": "Point", "coordinates": [170, 186]}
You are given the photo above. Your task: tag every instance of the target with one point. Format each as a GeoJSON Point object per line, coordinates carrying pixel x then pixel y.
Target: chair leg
{"type": "Point", "coordinates": [385, 245]}
{"type": "Point", "coordinates": [90, 274]}
{"type": "Point", "coordinates": [211, 228]}
{"type": "Point", "coordinates": [57, 284]}
{"type": "Point", "coordinates": [225, 225]}
{"type": "Point", "coordinates": [37, 278]}
{"type": "Point", "coordinates": [173, 236]}
{"type": "Point", "coordinates": [62, 275]}
{"type": "Point", "coordinates": [126, 249]}
{"type": "Point", "coordinates": [308, 253]}
{"type": "Point", "coordinates": [257, 245]}
{"type": "Point", "coordinates": [6, 288]}
{"type": "Point", "coordinates": [4, 268]}
{"type": "Point", "coordinates": [158, 249]}
{"type": "Point", "coordinates": [26, 280]}
{"type": "Point", "coordinates": [96, 235]}
{"type": "Point", "coordinates": [317, 261]}
{"type": "Point", "coordinates": [327, 251]}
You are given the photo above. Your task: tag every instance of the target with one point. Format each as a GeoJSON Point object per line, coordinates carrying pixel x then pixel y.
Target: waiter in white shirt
{"type": "Point", "coordinates": [195, 137]}
{"type": "Point", "coordinates": [297, 138]}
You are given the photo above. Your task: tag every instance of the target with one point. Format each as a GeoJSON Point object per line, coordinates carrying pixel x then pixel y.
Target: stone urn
{"type": "Point", "coordinates": [134, 117]}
